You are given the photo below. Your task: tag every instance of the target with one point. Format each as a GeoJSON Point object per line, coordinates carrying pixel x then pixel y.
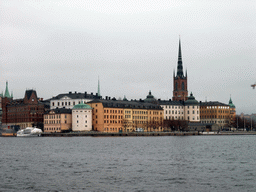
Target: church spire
{"type": "Point", "coordinates": [7, 94]}
{"type": "Point", "coordinates": [180, 67]}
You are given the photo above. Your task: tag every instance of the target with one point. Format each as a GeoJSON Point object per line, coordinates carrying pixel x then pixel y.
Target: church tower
{"type": "Point", "coordinates": [180, 91]}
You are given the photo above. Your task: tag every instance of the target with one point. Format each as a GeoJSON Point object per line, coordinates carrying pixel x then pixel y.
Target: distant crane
{"type": "Point", "coordinates": [253, 85]}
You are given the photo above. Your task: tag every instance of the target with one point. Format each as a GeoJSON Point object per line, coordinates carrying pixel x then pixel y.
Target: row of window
{"type": "Point", "coordinates": [112, 121]}
{"type": "Point", "coordinates": [215, 116]}
{"type": "Point", "coordinates": [84, 121]}
{"type": "Point", "coordinates": [66, 103]}
{"type": "Point", "coordinates": [82, 116]}
{"type": "Point", "coordinates": [53, 121]}
{"type": "Point", "coordinates": [52, 128]}
{"type": "Point", "coordinates": [53, 116]}
{"type": "Point", "coordinates": [111, 117]}
{"type": "Point", "coordinates": [215, 111]}
{"type": "Point", "coordinates": [113, 111]}
{"type": "Point", "coordinates": [217, 107]}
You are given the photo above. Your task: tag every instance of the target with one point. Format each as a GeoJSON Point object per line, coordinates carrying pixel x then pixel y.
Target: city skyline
{"type": "Point", "coordinates": [132, 47]}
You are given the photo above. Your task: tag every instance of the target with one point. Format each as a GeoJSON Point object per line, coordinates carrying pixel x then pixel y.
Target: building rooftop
{"type": "Point", "coordinates": [77, 95]}
{"type": "Point", "coordinates": [127, 104]}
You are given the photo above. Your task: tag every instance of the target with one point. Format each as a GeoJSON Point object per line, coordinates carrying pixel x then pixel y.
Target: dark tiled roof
{"type": "Point", "coordinates": [170, 102]}
{"type": "Point", "coordinates": [212, 103]}
{"type": "Point", "coordinates": [76, 95]}
{"type": "Point", "coordinates": [29, 93]}
{"type": "Point", "coordinates": [60, 111]}
{"type": "Point", "coordinates": [127, 104]}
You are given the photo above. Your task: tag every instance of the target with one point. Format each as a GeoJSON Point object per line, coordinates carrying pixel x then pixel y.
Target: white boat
{"type": "Point", "coordinates": [29, 132]}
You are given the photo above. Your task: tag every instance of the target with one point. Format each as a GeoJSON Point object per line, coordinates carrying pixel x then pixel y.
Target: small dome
{"type": "Point", "coordinates": [150, 98]}
{"type": "Point", "coordinates": [82, 106]}
{"type": "Point", "coordinates": [231, 105]}
{"type": "Point", "coordinates": [191, 100]}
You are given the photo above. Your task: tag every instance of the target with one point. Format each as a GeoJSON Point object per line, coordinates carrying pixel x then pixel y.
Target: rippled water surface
{"type": "Point", "coordinates": [189, 163]}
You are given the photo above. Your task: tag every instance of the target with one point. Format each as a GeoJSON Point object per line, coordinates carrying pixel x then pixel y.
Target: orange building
{"type": "Point", "coordinates": [58, 120]}
{"type": "Point", "coordinates": [125, 116]}
{"type": "Point", "coordinates": [215, 112]}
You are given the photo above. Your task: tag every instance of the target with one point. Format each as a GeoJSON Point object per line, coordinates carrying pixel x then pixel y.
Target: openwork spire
{"type": "Point", "coordinates": [180, 67]}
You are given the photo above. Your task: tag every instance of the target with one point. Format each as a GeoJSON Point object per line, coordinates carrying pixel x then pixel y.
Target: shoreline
{"type": "Point", "coordinates": [135, 134]}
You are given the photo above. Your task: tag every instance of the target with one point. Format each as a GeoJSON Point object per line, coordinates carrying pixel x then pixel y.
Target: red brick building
{"type": "Point", "coordinates": [180, 90]}
{"type": "Point", "coordinates": [27, 112]}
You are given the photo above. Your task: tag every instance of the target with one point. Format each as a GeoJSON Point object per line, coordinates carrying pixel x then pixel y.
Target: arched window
{"type": "Point", "coordinates": [176, 86]}
{"type": "Point", "coordinates": [183, 86]}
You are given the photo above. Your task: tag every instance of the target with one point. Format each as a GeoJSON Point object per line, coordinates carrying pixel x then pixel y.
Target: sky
{"type": "Point", "coordinates": [131, 47]}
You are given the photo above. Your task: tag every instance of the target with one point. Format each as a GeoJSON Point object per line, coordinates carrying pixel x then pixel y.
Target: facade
{"type": "Point", "coordinates": [126, 116]}
{"type": "Point", "coordinates": [188, 110]}
{"type": "Point", "coordinates": [81, 117]}
{"type": "Point", "coordinates": [192, 109]}
{"type": "Point", "coordinates": [27, 112]}
{"type": "Point", "coordinates": [215, 112]}
{"type": "Point", "coordinates": [173, 110]}
{"type": "Point", "coordinates": [180, 91]}
{"type": "Point", "coordinates": [69, 100]}
{"type": "Point", "coordinates": [58, 120]}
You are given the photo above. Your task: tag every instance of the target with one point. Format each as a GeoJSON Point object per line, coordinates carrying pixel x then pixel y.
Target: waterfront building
{"type": "Point", "coordinates": [69, 100]}
{"type": "Point", "coordinates": [215, 112]}
{"type": "Point", "coordinates": [111, 115]}
{"type": "Point", "coordinates": [26, 112]}
{"type": "Point", "coordinates": [82, 117]}
{"type": "Point", "coordinates": [180, 91]}
{"type": "Point", "coordinates": [173, 110]}
{"type": "Point", "coordinates": [188, 110]}
{"type": "Point", "coordinates": [58, 120]}
{"type": "Point", "coordinates": [192, 109]}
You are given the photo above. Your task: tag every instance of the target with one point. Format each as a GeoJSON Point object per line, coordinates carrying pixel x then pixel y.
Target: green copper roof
{"type": "Point", "coordinates": [7, 94]}
{"type": "Point", "coordinates": [150, 98]}
{"type": "Point", "coordinates": [125, 99]}
{"type": "Point", "coordinates": [191, 100]}
{"type": "Point", "coordinates": [231, 105]}
{"type": "Point", "coordinates": [82, 106]}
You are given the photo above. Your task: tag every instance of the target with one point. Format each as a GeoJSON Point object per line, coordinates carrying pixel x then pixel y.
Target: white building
{"type": "Point", "coordinates": [192, 109]}
{"type": "Point", "coordinates": [81, 117]}
{"type": "Point", "coordinates": [181, 110]}
{"type": "Point", "coordinates": [173, 110]}
{"type": "Point", "coordinates": [69, 100]}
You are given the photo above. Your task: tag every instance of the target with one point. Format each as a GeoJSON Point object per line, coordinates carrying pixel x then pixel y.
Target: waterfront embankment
{"type": "Point", "coordinates": [140, 134]}
{"type": "Point", "coordinates": [102, 134]}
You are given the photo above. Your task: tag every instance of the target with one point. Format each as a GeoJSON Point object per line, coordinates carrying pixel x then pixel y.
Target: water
{"type": "Point", "coordinates": [190, 163]}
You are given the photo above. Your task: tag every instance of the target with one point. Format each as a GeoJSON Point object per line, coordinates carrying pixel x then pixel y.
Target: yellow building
{"type": "Point", "coordinates": [126, 116]}
{"type": "Point", "coordinates": [58, 120]}
{"type": "Point", "coordinates": [215, 112]}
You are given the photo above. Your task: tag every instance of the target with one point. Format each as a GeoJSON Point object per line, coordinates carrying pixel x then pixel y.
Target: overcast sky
{"type": "Point", "coordinates": [132, 46]}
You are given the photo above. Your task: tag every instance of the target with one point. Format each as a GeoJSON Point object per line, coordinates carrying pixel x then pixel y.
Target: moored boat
{"type": "Point", "coordinates": [29, 132]}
